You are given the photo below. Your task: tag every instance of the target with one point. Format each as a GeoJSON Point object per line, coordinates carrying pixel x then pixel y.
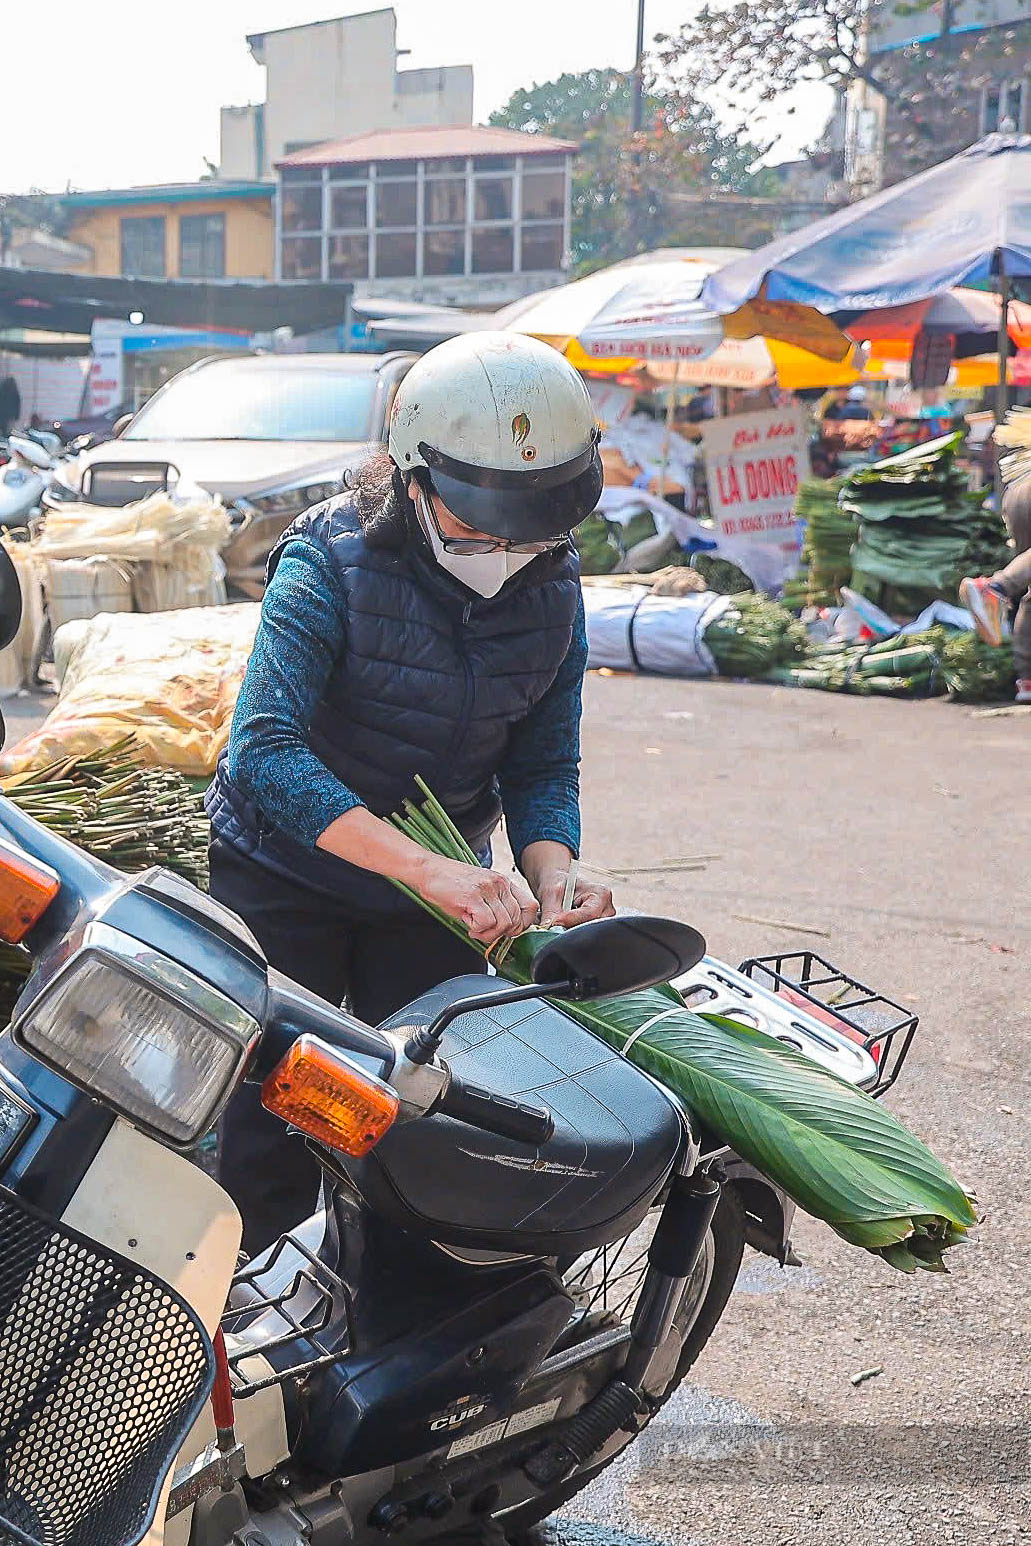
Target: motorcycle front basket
{"type": "Point", "coordinates": [103, 1371]}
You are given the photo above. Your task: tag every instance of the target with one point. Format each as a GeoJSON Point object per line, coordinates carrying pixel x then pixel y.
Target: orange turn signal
{"type": "Point", "coordinates": [330, 1098]}
{"type": "Point", "coordinates": [27, 889]}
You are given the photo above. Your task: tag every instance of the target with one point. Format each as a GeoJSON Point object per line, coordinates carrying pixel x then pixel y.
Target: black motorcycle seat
{"type": "Point", "coordinates": [617, 1135]}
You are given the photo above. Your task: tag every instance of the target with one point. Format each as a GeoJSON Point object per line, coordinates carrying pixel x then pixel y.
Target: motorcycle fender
{"type": "Point", "coordinates": [158, 1209]}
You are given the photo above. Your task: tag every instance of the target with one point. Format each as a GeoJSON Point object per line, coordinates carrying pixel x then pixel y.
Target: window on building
{"type": "Point", "coordinates": [1005, 108]}
{"type": "Point", "coordinates": [443, 252]}
{"type": "Point", "coordinates": [396, 204]}
{"type": "Point", "coordinates": [395, 254]}
{"type": "Point", "coordinates": [302, 257]}
{"type": "Point", "coordinates": [202, 246]}
{"type": "Point", "coordinates": [302, 208]}
{"type": "Point", "coordinates": [143, 247]}
{"type": "Point", "coordinates": [544, 195]}
{"type": "Point", "coordinates": [349, 257]}
{"type": "Point", "coordinates": [444, 201]}
{"type": "Point", "coordinates": [541, 247]}
{"type": "Point", "coordinates": [493, 198]}
{"type": "Point", "coordinates": [493, 249]}
{"type": "Point", "coordinates": [447, 215]}
{"type": "Point", "coordinates": [349, 207]}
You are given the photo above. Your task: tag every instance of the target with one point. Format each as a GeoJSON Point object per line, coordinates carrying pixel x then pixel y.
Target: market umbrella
{"type": "Point", "coordinates": [965, 220]}
{"type": "Point", "coordinates": [648, 308]}
{"type": "Point", "coordinates": [970, 318]}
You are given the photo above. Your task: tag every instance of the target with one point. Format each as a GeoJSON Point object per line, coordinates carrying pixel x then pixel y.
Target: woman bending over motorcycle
{"type": "Point", "coordinates": [428, 621]}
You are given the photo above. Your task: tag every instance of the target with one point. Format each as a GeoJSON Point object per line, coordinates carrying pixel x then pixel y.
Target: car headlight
{"type": "Point", "coordinates": [141, 1033]}
{"type": "Point", "coordinates": [292, 501]}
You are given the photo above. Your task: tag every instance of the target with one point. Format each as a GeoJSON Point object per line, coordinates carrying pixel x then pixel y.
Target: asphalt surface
{"type": "Point", "coordinates": [901, 833]}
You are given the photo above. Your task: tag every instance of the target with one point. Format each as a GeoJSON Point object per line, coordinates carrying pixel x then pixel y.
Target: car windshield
{"type": "Point", "coordinates": [235, 401]}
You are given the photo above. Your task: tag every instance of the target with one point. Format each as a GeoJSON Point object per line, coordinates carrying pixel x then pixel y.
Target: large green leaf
{"type": "Point", "coordinates": [842, 1156]}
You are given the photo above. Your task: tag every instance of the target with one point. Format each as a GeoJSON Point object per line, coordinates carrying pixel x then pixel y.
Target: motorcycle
{"type": "Point", "coordinates": [23, 479]}
{"type": "Point", "coordinates": [522, 1246]}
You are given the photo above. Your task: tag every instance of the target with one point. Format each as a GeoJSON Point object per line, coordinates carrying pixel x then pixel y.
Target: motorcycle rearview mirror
{"type": "Point", "coordinates": [31, 451]}
{"type": "Point", "coordinates": [617, 955]}
{"type": "Point", "coordinates": [592, 960]}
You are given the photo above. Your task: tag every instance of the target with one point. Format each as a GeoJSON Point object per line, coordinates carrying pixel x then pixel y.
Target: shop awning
{"type": "Point", "coordinates": [70, 303]}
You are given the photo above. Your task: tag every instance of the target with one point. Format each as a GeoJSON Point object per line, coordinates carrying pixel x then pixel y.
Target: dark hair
{"type": "Point", "coordinates": [381, 501]}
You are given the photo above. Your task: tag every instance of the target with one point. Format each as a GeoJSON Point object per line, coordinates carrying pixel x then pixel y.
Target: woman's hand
{"type": "Point", "coordinates": [546, 867]}
{"type": "Point", "coordinates": [491, 906]}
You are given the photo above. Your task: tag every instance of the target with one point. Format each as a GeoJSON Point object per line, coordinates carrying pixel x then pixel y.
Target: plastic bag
{"type": "Point", "coordinates": [170, 678]}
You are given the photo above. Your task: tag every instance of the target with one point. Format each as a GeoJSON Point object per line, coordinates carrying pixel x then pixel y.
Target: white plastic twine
{"type": "Point", "coordinates": [663, 1015]}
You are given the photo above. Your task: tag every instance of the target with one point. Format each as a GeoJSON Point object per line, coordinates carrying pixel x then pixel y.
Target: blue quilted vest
{"type": "Point", "coordinates": [429, 679]}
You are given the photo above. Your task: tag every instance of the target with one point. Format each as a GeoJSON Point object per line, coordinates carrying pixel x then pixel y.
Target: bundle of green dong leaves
{"type": "Point", "coordinates": [920, 529]}
{"type": "Point", "coordinates": [841, 1155]}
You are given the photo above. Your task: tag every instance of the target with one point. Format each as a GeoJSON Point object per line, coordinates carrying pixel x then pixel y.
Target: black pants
{"type": "Point", "coordinates": [273, 1178]}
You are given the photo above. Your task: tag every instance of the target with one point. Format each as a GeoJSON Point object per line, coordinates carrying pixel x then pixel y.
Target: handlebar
{"type": "Point", "coordinates": [496, 1113]}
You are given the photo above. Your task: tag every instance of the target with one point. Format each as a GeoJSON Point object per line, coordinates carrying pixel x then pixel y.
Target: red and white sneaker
{"type": "Point", "coordinates": [1023, 693]}
{"type": "Point", "coordinates": [989, 606]}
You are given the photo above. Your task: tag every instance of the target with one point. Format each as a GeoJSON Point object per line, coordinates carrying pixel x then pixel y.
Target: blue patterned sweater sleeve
{"type": "Point", "coordinates": [303, 623]}
{"type": "Point", "coordinates": [540, 775]}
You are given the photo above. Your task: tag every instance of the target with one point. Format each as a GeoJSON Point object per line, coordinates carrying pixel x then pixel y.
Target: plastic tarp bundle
{"type": "Point", "coordinates": [629, 629]}
{"type": "Point", "coordinates": [159, 554]}
{"type": "Point", "coordinates": [169, 678]}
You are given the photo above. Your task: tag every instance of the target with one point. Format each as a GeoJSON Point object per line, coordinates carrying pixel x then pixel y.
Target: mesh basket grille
{"type": "Point", "coordinates": [103, 1370]}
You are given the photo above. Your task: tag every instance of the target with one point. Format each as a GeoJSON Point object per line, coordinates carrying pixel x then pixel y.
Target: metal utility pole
{"type": "Point", "coordinates": [637, 100]}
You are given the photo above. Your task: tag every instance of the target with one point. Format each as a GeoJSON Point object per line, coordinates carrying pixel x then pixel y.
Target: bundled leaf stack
{"type": "Point", "coordinates": [118, 809]}
{"type": "Point", "coordinates": [720, 575]}
{"type": "Point", "coordinates": [842, 1156]}
{"type": "Point", "coordinates": [920, 529]}
{"type": "Point", "coordinates": [754, 636]}
{"type": "Point", "coordinates": [827, 542]}
{"type": "Point", "coordinates": [915, 665]}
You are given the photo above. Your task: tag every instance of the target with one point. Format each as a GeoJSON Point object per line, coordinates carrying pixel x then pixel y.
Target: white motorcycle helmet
{"type": "Point", "coordinates": [503, 428]}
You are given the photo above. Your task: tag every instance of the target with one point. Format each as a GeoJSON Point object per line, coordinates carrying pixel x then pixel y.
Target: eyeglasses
{"type": "Point", "coordinates": [471, 545]}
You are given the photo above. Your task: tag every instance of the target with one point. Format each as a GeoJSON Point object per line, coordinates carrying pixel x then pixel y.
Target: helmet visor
{"type": "Point", "coordinates": [514, 506]}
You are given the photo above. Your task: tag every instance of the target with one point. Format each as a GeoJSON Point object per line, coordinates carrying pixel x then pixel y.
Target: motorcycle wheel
{"type": "Point", "coordinates": [615, 1290]}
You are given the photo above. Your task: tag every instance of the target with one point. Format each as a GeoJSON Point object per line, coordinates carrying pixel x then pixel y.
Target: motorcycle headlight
{"type": "Point", "coordinates": [291, 501]}
{"type": "Point", "coordinates": [141, 1033]}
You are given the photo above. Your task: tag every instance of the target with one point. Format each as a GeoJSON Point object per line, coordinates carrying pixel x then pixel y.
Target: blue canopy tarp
{"type": "Point", "coordinates": [965, 220]}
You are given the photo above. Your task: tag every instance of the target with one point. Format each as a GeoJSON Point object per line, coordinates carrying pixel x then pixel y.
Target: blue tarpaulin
{"type": "Point", "coordinates": [950, 225]}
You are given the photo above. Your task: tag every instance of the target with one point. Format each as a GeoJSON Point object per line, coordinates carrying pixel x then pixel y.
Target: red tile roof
{"type": "Point", "coordinates": [429, 141]}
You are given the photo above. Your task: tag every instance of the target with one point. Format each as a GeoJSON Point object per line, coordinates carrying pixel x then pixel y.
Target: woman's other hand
{"type": "Point", "coordinates": [491, 906]}
{"type": "Point", "coordinates": [546, 866]}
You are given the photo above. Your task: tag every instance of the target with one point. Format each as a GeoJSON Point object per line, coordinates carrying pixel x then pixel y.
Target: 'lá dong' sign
{"type": "Point", "coordinates": [754, 464]}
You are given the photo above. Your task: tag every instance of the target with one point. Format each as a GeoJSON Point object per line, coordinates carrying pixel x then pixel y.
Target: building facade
{"type": "Point", "coordinates": [330, 80]}
{"type": "Point", "coordinates": [456, 216]}
{"type": "Point", "coordinates": [206, 230]}
{"type": "Point", "coordinates": [950, 74]}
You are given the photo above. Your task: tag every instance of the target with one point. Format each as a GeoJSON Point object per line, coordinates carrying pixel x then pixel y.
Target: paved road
{"type": "Point", "coordinates": [903, 830]}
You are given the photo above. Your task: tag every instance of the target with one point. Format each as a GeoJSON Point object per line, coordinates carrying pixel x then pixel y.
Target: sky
{"type": "Point", "coordinates": [111, 94]}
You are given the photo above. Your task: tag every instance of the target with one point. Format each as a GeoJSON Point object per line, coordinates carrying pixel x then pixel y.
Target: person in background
{"type": "Point", "coordinates": [10, 404]}
{"type": "Point", "coordinates": [851, 404]}
{"type": "Point", "coordinates": [990, 599]}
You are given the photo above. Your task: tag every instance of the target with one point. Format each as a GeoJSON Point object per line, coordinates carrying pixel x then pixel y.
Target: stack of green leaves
{"type": "Point", "coordinates": [905, 667]}
{"type": "Point", "coordinates": [603, 544]}
{"type": "Point", "coordinates": [119, 809]}
{"type": "Point", "coordinates": [920, 529]}
{"type": "Point", "coordinates": [753, 636]}
{"type": "Point", "coordinates": [721, 576]}
{"type": "Point", "coordinates": [842, 1156]}
{"type": "Point", "coordinates": [827, 542]}
{"type": "Point", "coordinates": [976, 672]}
